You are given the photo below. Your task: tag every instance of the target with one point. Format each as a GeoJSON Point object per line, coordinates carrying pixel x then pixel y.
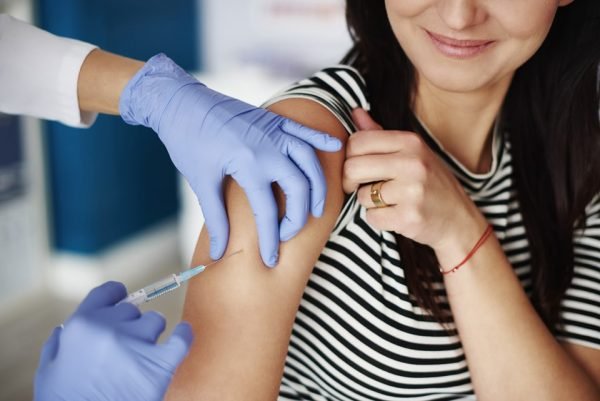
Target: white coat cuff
{"type": "Point", "coordinates": [66, 89]}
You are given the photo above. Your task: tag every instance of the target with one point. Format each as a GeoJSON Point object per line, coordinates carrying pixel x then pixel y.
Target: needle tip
{"type": "Point", "coordinates": [188, 274]}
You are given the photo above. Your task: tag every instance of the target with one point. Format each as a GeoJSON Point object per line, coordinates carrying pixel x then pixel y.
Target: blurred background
{"type": "Point", "coordinates": [79, 207]}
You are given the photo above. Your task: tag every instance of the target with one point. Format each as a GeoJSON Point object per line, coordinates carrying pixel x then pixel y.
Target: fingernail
{"type": "Point", "coordinates": [287, 232]}
{"type": "Point", "coordinates": [273, 261]}
{"type": "Point", "coordinates": [214, 255]}
{"type": "Point", "coordinates": [319, 208]}
{"type": "Point", "coordinates": [284, 232]}
{"type": "Point", "coordinates": [336, 142]}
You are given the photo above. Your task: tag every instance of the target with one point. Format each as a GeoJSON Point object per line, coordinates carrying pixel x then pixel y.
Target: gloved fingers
{"type": "Point", "coordinates": [147, 328]}
{"type": "Point", "coordinates": [307, 161]}
{"type": "Point", "coordinates": [314, 138]}
{"type": "Point", "coordinates": [176, 348]}
{"type": "Point", "coordinates": [104, 295]}
{"type": "Point", "coordinates": [265, 210]}
{"type": "Point", "coordinates": [213, 209]}
{"type": "Point", "coordinates": [119, 313]}
{"type": "Point", "coordinates": [50, 348]}
{"type": "Point", "coordinates": [297, 195]}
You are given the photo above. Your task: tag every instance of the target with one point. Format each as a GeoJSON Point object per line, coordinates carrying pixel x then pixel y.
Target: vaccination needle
{"type": "Point", "coordinates": [167, 284]}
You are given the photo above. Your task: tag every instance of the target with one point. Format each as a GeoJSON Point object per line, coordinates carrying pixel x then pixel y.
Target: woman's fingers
{"type": "Point", "coordinates": [371, 138]}
{"type": "Point", "coordinates": [383, 142]}
{"type": "Point", "coordinates": [373, 154]}
{"type": "Point", "coordinates": [360, 170]}
{"type": "Point", "coordinates": [391, 193]}
{"type": "Point", "coordinates": [399, 180]}
{"type": "Point", "coordinates": [363, 121]}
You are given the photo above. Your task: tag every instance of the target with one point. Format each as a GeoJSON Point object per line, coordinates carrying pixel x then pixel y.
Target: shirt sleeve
{"type": "Point", "coordinates": [339, 89]}
{"type": "Point", "coordinates": [580, 313]}
{"type": "Point", "coordinates": [39, 73]}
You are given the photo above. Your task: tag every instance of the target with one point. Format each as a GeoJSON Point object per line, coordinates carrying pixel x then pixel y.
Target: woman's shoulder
{"type": "Point", "coordinates": [339, 88]}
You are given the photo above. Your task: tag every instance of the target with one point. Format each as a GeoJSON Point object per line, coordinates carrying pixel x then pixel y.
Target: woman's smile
{"type": "Point", "coordinates": [459, 48]}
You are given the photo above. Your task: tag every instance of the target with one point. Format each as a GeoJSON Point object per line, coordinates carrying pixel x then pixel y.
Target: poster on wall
{"type": "Point", "coordinates": [287, 37]}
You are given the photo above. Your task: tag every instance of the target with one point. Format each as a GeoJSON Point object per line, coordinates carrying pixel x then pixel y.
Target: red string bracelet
{"type": "Point", "coordinates": [481, 241]}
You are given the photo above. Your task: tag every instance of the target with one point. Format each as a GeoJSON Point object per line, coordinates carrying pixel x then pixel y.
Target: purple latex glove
{"type": "Point", "coordinates": [109, 352]}
{"type": "Point", "coordinates": [209, 136]}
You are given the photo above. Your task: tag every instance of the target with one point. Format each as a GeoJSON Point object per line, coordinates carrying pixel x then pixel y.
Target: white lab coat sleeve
{"type": "Point", "coordinates": [39, 73]}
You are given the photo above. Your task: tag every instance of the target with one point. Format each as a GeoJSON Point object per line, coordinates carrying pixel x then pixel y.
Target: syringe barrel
{"type": "Point", "coordinates": [136, 298]}
{"type": "Point", "coordinates": [162, 286]}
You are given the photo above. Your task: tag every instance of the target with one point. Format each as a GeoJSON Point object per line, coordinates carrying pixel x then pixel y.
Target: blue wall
{"type": "Point", "coordinates": [113, 180]}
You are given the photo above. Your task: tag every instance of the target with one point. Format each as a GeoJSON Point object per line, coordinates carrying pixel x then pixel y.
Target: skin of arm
{"type": "Point", "coordinates": [241, 312]}
{"type": "Point", "coordinates": [510, 352]}
{"type": "Point", "coordinates": [102, 78]}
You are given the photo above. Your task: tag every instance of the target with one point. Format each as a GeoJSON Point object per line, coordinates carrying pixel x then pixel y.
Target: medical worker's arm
{"type": "Point", "coordinates": [207, 134]}
{"type": "Point", "coordinates": [242, 314]}
{"type": "Point", "coordinates": [110, 352]}
{"type": "Point", "coordinates": [101, 81]}
{"type": "Point", "coordinates": [38, 73]}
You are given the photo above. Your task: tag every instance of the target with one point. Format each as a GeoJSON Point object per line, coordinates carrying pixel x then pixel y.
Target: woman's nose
{"type": "Point", "coordinates": [461, 14]}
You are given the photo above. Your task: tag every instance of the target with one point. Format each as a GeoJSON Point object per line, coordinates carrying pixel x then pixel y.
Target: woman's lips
{"type": "Point", "coordinates": [457, 48]}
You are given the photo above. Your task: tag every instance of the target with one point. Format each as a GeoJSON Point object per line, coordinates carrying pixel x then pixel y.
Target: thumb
{"type": "Point", "coordinates": [50, 348]}
{"type": "Point", "coordinates": [363, 121]}
{"type": "Point", "coordinates": [176, 348]}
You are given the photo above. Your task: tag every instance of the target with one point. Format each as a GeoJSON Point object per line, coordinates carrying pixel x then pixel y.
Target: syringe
{"type": "Point", "coordinates": [167, 284]}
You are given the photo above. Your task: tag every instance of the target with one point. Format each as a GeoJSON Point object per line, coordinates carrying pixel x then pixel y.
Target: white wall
{"type": "Point", "coordinates": [21, 9]}
{"type": "Point", "coordinates": [24, 251]}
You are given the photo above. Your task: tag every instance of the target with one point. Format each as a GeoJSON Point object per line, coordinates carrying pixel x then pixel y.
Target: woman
{"type": "Point", "coordinates": [490, 122]}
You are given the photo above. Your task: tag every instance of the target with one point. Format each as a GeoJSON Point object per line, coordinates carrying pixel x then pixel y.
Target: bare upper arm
{"type": "Point", "coordinates": [241, 311]}
{"type": "Point", "coordinates": [588, 358]}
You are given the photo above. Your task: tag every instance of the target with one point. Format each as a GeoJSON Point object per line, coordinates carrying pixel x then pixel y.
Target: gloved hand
{"type": "Point", "coordinates": [209, 135]}
{"type": "Point", "coordinates": [109, 353]}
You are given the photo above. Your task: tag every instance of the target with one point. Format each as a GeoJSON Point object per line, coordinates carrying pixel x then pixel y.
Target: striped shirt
{"type": "Point", "coordinates": [358, 335]}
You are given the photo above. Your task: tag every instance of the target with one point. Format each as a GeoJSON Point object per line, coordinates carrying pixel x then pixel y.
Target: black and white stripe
{"type": "Point", "coordinates": [358, 335]}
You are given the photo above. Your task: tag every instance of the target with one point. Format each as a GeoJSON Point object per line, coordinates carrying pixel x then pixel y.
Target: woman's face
{"type": "Point", "coordinates": [467, 45]}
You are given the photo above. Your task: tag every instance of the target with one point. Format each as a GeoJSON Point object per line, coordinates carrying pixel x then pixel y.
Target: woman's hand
{"type": "Point", "coordinates": [425, 202]}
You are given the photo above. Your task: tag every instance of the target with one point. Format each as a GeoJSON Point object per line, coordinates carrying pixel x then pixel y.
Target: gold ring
{"type": "Point", "coordinates": [376, 194]}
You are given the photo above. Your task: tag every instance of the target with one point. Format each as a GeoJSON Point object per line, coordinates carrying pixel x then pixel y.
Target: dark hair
{"type": "Point", "coordinates": [551, 116]}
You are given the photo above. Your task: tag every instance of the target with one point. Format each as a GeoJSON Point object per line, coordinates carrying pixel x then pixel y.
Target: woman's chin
{"type": "Point", "coordinates": [457, 81]}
